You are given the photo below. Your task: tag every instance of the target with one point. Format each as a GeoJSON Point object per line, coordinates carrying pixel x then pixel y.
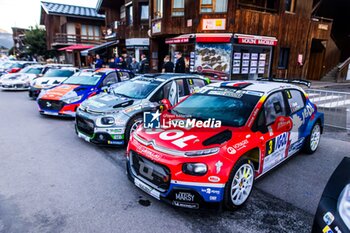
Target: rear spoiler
{"type": "Point", "coordinates": [292, 81]}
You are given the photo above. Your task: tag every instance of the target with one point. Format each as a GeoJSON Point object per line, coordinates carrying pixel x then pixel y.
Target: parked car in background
{"type": "Point", "coordinates": [14, 66]}
{"type": "Point", "coordinates": [215, 76]}
{"type": "Point", "coordinates": [110, 118]}
{"type": "Point", "coordinates": [22, 79]}
{"type": "Point", "coordinates": [333, 213]}
{"type": "Point", "coordinates": [53, 77]}
{"type": "Point", "coordinates": [207, 150]}
{"type": "Point", "coordinates": [64, 99]}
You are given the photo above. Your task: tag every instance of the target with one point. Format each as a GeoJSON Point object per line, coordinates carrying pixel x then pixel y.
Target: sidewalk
{"type": "Point", "coordinates": [331, 86]}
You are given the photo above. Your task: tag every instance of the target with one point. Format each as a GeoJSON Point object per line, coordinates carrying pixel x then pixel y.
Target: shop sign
{"type": "Point", "coordinates": [214, 24]}
{"type": "Point", "coordinates": [156, 27]}
{"type": "Point", "coordinates": [256, 40]}
{"type": "Point", "coordinates": [323, 27]}
{"type": "Point", "coordinates": [137, 42]}
{"type": "Point", "coordinates": [189, 23]}
{"type": "Point", "coordinates": [177, 40]}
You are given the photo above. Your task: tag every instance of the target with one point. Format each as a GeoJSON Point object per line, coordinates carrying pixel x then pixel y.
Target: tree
{"type": "Point", "coordinates": [35, 42]}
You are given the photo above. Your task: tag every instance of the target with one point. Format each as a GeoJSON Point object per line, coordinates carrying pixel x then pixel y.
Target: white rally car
{"type": "Point", "coordinates": [20, 80]}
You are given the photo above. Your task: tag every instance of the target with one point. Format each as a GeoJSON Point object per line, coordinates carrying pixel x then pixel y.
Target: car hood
{"type": "Point", "coordinates": [107, 102]}
{"type": "Point", "coordinates": [48, 82]}
{"type": "Point", "coordinates": [58, 92]}
{"type": "Point", "coordinates": [18, 76]}
{"type": "Point", "coordinates": [195, 138]}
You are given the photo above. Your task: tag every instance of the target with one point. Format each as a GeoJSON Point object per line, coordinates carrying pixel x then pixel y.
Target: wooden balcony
{"type": "Point", "coordinates": [67, 39]}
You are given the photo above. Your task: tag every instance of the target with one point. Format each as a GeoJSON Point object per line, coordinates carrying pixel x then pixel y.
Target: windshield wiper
{"type": "Point", "coordinates": [126, 96]}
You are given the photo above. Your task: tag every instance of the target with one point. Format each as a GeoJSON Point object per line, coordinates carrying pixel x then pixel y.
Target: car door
{"type": "Point", "coordinates": [296, 104]}
{"type": "Point", "coordinates": [274, 143]}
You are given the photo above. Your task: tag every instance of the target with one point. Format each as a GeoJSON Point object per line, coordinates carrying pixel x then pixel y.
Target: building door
{"type": "Point", "coordinates": [317, 54]}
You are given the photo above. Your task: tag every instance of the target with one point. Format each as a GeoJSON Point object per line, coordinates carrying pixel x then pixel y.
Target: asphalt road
{"type": "Point", "coordinates": [52, 181]}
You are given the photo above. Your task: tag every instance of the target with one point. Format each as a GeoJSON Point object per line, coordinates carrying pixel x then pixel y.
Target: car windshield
{"type": "Point", "coordinates": [58, 73]}
{"type": "Point", "coordinates": [31, 70]}
{"type": "Point", "coordinates": [16, 65]}
{"type": "Point", "coordinates": [219, 104]}
{"type": "Point", "coordinates": [88, 80]}
{"type": "Point", "coordinates": [136, 89]}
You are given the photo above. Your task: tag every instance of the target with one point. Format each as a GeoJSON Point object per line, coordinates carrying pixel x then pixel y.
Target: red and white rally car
{"type": "Point", "coordinates": [209, 148]}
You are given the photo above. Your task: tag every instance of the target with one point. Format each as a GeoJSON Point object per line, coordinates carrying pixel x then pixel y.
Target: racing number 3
{"type": "Point", "coordinates": [270, 146]}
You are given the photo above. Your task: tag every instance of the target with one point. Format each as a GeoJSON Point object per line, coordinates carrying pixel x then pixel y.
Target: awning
{"type": "Point", "coordinates": [98, 47]}
{"type": "Point", "coordinates": [256, 40]}
{"type": "Point", "coordinates": [213, 37]}
{"type": "Point", "coordinates": [201, 38]}
{"type": "Point", "coordinates": [75, 47]}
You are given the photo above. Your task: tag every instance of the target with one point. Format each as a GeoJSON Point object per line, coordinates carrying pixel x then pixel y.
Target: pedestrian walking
{"type": "Point", "coordinates": [134, 66]}
{"type": "Point", "coordinates": [180, 66]}
{"type": "Point", "coordinates": [168, 66]}
{"type": "Point", "coordinates": [98, 62]}
{"type": "Point", "coordinates": [144, 66]}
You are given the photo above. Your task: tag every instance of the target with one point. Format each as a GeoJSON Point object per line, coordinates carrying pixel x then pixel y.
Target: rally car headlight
{"type": "Point", "coordinates": [211, 151]}
{"type": "Point", "coordinates": [73, 99]}
{"type": "Point", "coordinates": [107, 120]}
{"type": "Point", "coordinates": [344, 205]}
{"type": "Point", "coordinates": [194, 169]}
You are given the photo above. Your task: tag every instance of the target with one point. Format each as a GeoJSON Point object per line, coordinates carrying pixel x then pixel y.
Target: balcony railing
{"type": "Point", "coordinates": [63, 38]}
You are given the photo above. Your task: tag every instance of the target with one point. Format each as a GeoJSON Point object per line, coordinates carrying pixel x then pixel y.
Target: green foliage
{"type": "Point", "coordinates": [35, 41]}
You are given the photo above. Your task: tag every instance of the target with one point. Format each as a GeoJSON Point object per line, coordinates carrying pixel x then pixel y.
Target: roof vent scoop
{"type": "Point", "coordinates": [219, 138]}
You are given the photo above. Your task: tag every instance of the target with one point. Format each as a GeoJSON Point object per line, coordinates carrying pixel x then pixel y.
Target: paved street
{"type": "Point", "coordinates": [52, 181]}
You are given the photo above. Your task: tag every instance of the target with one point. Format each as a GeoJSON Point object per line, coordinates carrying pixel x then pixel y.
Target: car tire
{"type": "Point", "coordinates": [313, 140]}
{"type": "Point", "coordinates": [238, 188]}
{"type": "Point", "coordinates": [131, 126]}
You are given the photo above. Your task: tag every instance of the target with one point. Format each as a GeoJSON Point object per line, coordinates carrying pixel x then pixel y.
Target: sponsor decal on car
{"type": "Point", "coordinates": [327, 229]}
{"type": "Point", "coordinates": [328, 218]}
{"type": "Point", "coordinates": [237, 147]}
{"type": "Point", "coordinates": [184, 196]}
{"type": "Point", "coordinates": [214, 179]}
{"type": "Point", "coordinates": [218, 166]}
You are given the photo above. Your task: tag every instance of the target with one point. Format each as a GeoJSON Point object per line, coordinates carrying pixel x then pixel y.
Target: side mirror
{"type": "Point", "coordinates": [110, 84]}
{"type": "Point", "coordinates": [166, 104]}
{"type": "Point", "coordinates": [282, 124]}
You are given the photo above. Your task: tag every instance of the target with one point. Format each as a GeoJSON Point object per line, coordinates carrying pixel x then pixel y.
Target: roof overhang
{"type": "Point", "coordinates": [76, 47]}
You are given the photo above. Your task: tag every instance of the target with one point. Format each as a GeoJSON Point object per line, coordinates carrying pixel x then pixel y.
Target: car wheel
{"type": "Point", "coordinates": [313, 140]}
{"type": "Point", "coordinates": [132, 126]}
{"type": "Point", "coordinates": [239, 185]}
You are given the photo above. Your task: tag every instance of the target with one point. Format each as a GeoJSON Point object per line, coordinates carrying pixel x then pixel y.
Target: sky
{"type": "Point", "coordinates": [25, 13]}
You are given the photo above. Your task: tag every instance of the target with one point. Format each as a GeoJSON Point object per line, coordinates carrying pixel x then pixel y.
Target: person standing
{"type": "Point", "coordinates": [134, 66]}
{"type": "Point", "coordinates": [98, 62]}
{"type": "Point", "coordinates": [112, 64]}
{"type": "Point", "coordinates": [180, 66]}
{"type": "Point", "coordinates": [144, 66]}
{"type": "Point", "coordinates": [123, 63]}
{"type": "Point", "coordinates": [168, 66]}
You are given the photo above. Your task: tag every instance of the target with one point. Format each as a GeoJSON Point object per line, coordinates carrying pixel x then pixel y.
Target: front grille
{"type": "Point", "coordinates": [156, 175]}
{"type": "Point", "coordinates": [54, 105]}
{"type": "Point", "coordinates": [85, 126]}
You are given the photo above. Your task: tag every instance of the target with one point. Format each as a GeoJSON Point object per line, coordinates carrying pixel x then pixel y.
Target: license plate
{"type": "Point", "coordinates": [51, 113]}
{"type": "Point", "coordinates": [86, 138]}
{"type": "Point", "coordinates": [147, 189]}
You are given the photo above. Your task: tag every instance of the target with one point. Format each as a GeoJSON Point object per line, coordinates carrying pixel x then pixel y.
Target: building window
{"type": "Point", "coordinates": [122, 12]}
{"type": "Point", "coordinates": [129, 15]}
{"type": "Point", "coordinates": [261, 5]}
{"type": "Point", "coordinates": [217, 6]}
{"type": "Point", "coordinates": [144, 11]}
{"type": "Point", "coordinates": [178, 8]}
{"type": "Point", "coordinates": [158, 9]}
{"type": "Point", "coordinates": [284, 58]}
{"type": "Point", "coordinates": [290, 5]}
{"type": "Point", "coordinates": [90, 32]}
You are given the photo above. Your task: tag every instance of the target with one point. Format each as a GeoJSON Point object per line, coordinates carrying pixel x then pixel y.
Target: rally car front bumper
{"type": "Point", "coordinates": [156, 178]}
{"type": "Point", "coordinates": [86, 129]}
